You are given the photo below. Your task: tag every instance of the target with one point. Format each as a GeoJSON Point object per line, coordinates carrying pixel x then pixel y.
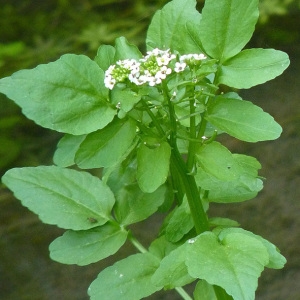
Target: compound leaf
{"type": "Point", "coordinates": [132, 205]}
{"type": "Point", "coordinates": [218, 161]}
{"type": "Point", "coordinates": [242, 120]}
{"type": "Point", "coordinates": [67, 95]}
{"type": "Point", "coordinates": [180, 222]}
{"type": "Point", "coordinates": [105, 56]}
{"type": "Point", "coordinates": [168, 28]}
{"type": "Point", "coordinates": [127, 279]}
{"type": "Point", "coordinates": [125, 50]}
{"type": "Point", "coordinates": [252, 67]}
{"type": "Point", "coordinates": [67, 147]}
{"type": "Point", "coordinates": [87, 246]}
{"type": "Point", "coordinates": [224, 30]}
{"type": "Point", "coordinates": [104, 148]}
{"type": "Point", "coordinates": [240, 257]}
{"type": "Point", "coordinates": [67, 198]}
{"type": "Point", "coordinates": [276, 260]}
{"type": "Point", "coordinates": [153, 166]}
{"type": "Point", "coordinates": [172, 271]}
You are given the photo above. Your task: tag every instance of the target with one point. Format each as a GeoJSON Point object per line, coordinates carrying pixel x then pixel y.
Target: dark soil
{"type": "Point", "coordinates": [27, 272]}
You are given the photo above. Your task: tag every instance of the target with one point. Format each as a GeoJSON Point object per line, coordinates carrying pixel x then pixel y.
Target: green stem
{"type": "Point", "coordinates": [183, 293]}
{"type": "Point", "coordinates": [202, 127]}
{"type": "Point", "coordinates": [192, 144]}
{"type": "Point", "coordinates": [192, 193]}
{"type": "Point", "coordinates": [177, 184]}
{"type": "Point", "coordinates": [136, 243]}
{"type": "Point", "coordinates": [153, 118]}
{"type": "Point", "coordinates": [191, 190]}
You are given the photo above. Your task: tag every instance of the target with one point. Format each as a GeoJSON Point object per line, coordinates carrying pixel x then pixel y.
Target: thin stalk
{"type": "Point", "coordinates": [195, 138]}
{"type": "Point", "coordinates": [183, 293]}
{"type": "Point", "coordinates": [153, 118]}
{"type": "Point", "coordinates": [177, 184]}
{"type": "Point", "coordinates": [192, 145]}
{"type": "Point", "coordinates": [136, 243]}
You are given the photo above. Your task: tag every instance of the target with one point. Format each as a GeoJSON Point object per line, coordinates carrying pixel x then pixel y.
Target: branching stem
{"type": "Point", "coordinates": [191, 190]}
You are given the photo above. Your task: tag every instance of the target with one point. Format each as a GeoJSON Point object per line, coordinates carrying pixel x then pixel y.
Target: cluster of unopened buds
{"type": "Point", "coordinates": [151, 69]}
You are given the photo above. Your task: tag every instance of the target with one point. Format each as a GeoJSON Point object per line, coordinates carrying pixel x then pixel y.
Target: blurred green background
{"type": "Point", "coordinates": [35, 32]}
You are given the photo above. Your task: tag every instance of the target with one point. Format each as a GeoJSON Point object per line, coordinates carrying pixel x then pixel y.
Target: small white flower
{"type": "Point", "coordinates": [153, 81]}
{"type": "Point", "coordinates": [186, 57]}
{"type": "Point", "coordinates": [132, 77]}
{"type": "Point", "coordinates": [164, 71]}
{"type": "Point", "coordinates": [179, 67]}
{"type": "Point", "coordinates": [164, 59]}
{"type": "Point", "coordinates": [110, 69]}
{"type": "Point", "coordinates": [147, 73]}
{"type": "Point", "coordinates": [200, 56]}
{"type": "Point", "coordinates": [138, 80]}
{"type": "Point", "coordinates": [109, 82]}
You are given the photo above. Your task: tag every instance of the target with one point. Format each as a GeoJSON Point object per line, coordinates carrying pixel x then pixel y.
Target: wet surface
{"type": "Point", "coordinates": [27, 272]}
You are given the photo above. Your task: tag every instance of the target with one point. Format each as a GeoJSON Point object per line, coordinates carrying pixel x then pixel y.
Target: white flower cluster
{"type": "Point", "coordinates": [151, 69]}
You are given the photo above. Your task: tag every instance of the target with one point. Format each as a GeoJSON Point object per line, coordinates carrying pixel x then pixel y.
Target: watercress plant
{"type": "Point", "coordinates": [150, 122]}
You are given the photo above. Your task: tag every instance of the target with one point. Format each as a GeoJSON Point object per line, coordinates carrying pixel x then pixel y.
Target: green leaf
{"type": "Point", "coordinates": [87, 246]}
{"type": "Point", "coordinates": [276, 260]}
{"type": "Point", "coordinates": [218, 161]}
{"type": "Point", "coordinates": [124, 98]}
{"type": "Point", "coordinates": [240, 189]}
{"type": "Point", "coordinates": [204, 291]}
{"type": "Point", "coordinates": [235, 191]}
{"type": "Point", "coordinates": [132, 205]}
{"type": "Point", "coordinates": [249, 164]}
{"type": "Point", "coordinates": [180, 223]}
{"type": "Point", "coordinates": [67, 147]}
{"type": "Point", "coordinates": [244, 187]}
{"type": "Point", "coordinates": [120, 176]}
{"type": "Point", "coordinates": [128, 279]}
{"type": "Point", "coordinates": [223, 222]}
{"type": "Point", "coordinates": [67, 95]}
{"type": "Point", "coordinates": [105, 56]}
{"type": "Point", "coordinates": [105, 147]}
{"type": "Point", "coordinates": [160, 247]}
{"type": "Point", "coordinates": [252, 67]}
{"type": "Point", "coordinates": [172, 271]}
{"type": "Point", "coordinates": [67, 198]}
{"type": "Point", "coordinates": [168, 29]}
{"type": "Point", "coordinates": [125, 50]}
{"type": "Point", "coordinates": [240, 257]}
{"type": "Point", "coordinates": [153, 166]}
{"type": "Point", "coordinates": [227, 26]}
{"type": "Point", "coordinates": [242, 120]}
